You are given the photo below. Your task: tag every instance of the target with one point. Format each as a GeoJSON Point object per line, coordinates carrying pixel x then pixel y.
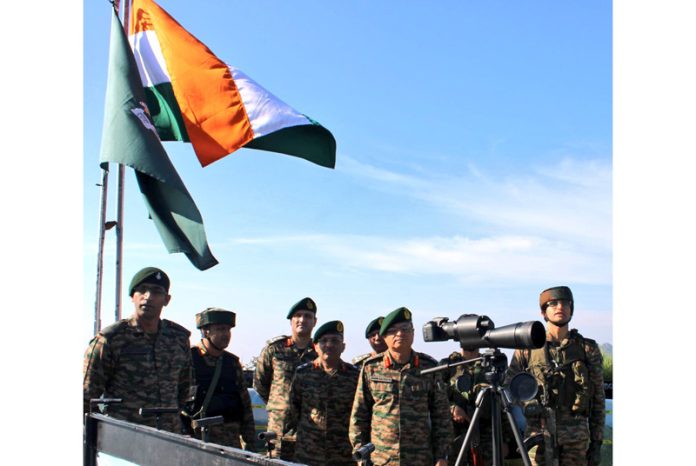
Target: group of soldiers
{"type": "Point", "coordinates": [323, 409]}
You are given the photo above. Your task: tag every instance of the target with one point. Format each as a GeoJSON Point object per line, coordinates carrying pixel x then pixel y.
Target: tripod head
{"type": "Point", "coordinates": [522, 387]}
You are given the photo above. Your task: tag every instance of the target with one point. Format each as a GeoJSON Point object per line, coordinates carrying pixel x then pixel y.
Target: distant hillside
{"type": "Point", "coordinates": [605, 348]}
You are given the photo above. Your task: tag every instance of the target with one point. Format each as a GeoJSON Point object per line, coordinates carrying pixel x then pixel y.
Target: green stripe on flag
{"type": "Point", "coordinates": [310, 142]}
{"type": "Point", "coordinates": [165, 113]}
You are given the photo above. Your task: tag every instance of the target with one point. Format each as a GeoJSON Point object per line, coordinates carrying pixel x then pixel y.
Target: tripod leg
{"type": "Point", "coordinates": [467, 438]}
{"type": "Point", "coordinates": [496, 431]}
{"type": "Point", "coordinates": [516, 434]}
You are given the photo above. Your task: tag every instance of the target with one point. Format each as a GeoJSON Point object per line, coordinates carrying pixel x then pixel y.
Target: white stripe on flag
{"type": "Point", "coordinates": [148, 56]}
{"type": "Point", "coordinates": [266, 112]}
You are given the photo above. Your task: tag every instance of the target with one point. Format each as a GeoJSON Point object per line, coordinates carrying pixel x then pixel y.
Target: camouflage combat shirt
{"type": "Point", "coordinates": [275, 369]}
{"type": "Point", "coordinates": [403, 413]}
{"type": "Point", "coordinates": [320, 411]}
{"type": "Point", "coordinates": [359, 360]}
{"type": "Point", "coordinates": [588, 424]}
{"type": "Point", "coordinates": [229, 432]}
{"type": "Point", "coordinates": [145, 370]}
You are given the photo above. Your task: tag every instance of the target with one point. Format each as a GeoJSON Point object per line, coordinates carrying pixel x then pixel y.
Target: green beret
{"type": "Point", "coordinates": [151, 275]}
{"type": "Point", "coordinates": [557, 292]}
{"type": "Point", "coordinates": [304, 304]}
{"type": "Point", "coordinates": [215, 315]}
{"type": "Point", "coordinates": [335, 326]}
{"type": "Point", "coordinates": [374, 325]}
{"type": "Point", "coordinates": [394, 317]}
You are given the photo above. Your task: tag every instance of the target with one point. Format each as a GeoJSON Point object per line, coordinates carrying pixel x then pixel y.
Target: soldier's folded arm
{"type": "Point", "coordinates": [263, 375]}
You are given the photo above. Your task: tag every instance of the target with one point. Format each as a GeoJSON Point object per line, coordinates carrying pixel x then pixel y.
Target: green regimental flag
{"type": "Point", "coordinates": [130, 138]}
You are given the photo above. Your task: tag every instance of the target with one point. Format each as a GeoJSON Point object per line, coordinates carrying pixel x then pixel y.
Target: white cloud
{"type": "Point", "coordinates": [520, 259]}
{"type": "Point", "coordinates": [570, 200]}
{"type": "Point", "coordinates": [550, 224]}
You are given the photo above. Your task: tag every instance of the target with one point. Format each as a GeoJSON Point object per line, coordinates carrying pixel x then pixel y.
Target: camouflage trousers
{"type": "Point", "coordinates": [572, 441]}
{"type": "Point", "coordinates": [227, 434]}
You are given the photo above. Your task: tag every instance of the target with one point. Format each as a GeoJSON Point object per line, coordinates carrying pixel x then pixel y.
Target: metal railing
{"type": "Point", "coordinates": [147, 446]}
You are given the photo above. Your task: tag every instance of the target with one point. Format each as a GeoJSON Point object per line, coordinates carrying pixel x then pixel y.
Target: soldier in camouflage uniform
{"type": "Point", "coordinates": [276, 365]}
{"type": "Point", "coordinates": [322, 396]}
{"type": "Point", "coordinates": [375, 339]}
{"type": "Point", "coordinates": [402, 412]}
{"type": "Point", "coordinates": [568, 413]}
{"type": "Point", "coordinates": [229, 397]}
{"type": "Point", "coordinates": [144, 360]}
{"type": "Point", "coordinates": [463, 382]}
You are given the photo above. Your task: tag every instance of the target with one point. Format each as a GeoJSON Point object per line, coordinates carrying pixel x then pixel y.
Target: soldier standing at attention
{"type": "Point", "coordinates": [322, 396]}
{"type": "Point", "coordinates": [403, 413]}
{"type": "Point", "coordinates": [569, 410]}
{"type": "Point", "coordinates": [375, 339]}
{"type": "Point", "coordinates": [144, 360]}
{"type": "Point", "coordinates": [278, 360]}
{"type": "Point", "coordinates": [220, 387]}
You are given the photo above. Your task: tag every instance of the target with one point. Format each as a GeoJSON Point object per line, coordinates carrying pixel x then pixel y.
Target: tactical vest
{"type": "Point", "coordinates": [226, 400]}
{"type": "Point", "coordinates": [563, 378]}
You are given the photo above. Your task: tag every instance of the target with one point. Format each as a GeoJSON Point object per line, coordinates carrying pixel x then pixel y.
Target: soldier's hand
{"type": "Point", "coordinates": [594, 453]}
{"type": "Point", "coordinates": [459, 415]}
{"type": "Point", "coordinates": [441, 462]}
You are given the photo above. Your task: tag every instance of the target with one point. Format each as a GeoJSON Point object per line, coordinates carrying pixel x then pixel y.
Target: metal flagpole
{"type": "Point", "coordinates": [100, 253]}
{"type": "Point", "coordinates": [120, 197]}
{"type": "Point", "coordinates": [102, 235]}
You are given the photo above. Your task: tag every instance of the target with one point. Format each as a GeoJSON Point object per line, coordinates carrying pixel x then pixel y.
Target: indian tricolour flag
{"type": "Point", "coordinates": [193, 96]}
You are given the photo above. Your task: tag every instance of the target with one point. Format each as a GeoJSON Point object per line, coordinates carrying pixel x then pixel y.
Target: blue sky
{"type": "Point", "coordinates": [375, 104]}
{"type": "Point", "coordinates": [474, 167]}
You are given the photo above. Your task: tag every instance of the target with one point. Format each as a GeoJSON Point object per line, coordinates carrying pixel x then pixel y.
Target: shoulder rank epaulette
{"type": "Point", "coordinates": [114, 328]}
{"type": "Point", "coordinates": [177, 328]}
{"type": "Point", "coordinates": [376, 357]}
{"type": "Point", "coordinates": [276, 339]}
{"type": "Point", "coordinates": [360, 358]}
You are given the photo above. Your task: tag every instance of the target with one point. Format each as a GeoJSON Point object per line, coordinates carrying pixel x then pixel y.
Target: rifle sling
{"type": "Point", "coordinates": [211, 389]}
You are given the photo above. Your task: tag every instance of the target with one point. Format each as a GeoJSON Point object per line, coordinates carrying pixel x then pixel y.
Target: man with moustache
{"type": "Point", "coordinates": [220, 387]}
{"type": "Point", "coordinates": [144, 360]}
{"type": "Point", "coordinates": [321, 399]}
{"type": "Point", "coordinates": [402, 412]}
{"type": "Point", "coordinates": [375, 339]}
{"type": "Point", "coordinates": [568, 413]}
{"type": "Point", "coordinates": [276, 366]}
